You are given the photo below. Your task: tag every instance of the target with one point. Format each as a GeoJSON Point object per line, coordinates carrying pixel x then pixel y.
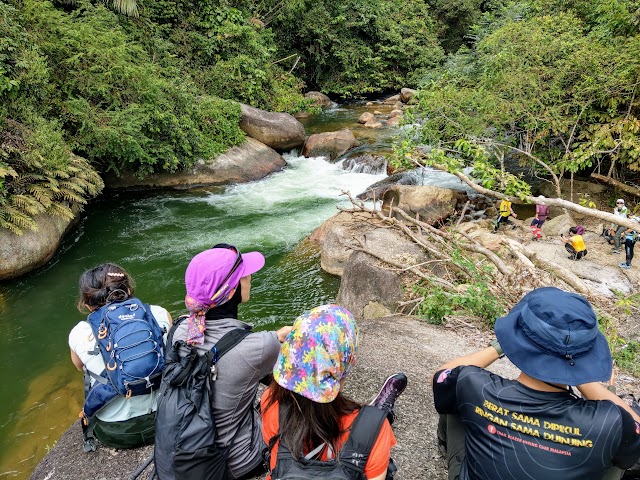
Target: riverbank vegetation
{"type": "Point", "coordinates": [550, 84]}
{"type": "Point", "coordinates": [154, 87]}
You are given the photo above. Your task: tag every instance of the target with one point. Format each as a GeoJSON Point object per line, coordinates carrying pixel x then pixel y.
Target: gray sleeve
{"type": "Point", "coordinates": [269, 353]}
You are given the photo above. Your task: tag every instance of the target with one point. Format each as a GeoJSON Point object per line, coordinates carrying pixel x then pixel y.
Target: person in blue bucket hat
{"type": "Point", "coordinates": [536, 426]}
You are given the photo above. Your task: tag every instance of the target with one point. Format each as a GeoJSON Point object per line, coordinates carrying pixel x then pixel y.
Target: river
{"type": "Point", "coordinates": [154, 235]}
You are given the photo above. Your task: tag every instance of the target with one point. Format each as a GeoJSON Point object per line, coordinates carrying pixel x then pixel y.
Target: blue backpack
{"type": "Point", "coordinates": [130, 341]}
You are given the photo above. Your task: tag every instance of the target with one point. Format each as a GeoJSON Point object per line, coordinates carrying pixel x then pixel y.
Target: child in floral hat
{"type": "Point", "coordinates": [304, 407]}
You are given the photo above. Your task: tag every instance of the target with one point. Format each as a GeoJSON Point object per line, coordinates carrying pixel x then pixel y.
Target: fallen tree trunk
{"type": "Point", "coordinates": [550, 202]}
{"type": "Point", "coordinates": [619, 185]}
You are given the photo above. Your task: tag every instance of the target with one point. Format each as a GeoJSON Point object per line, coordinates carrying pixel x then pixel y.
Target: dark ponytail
{"type": "Point", "coordinates": [305, 424]}
{"type": "Point", "coordinates": [104, 284]}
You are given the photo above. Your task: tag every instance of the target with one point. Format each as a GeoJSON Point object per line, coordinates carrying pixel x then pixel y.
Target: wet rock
{"type": "Point", "coordinates": [279, 131]}
{"type": "Point", "coordinates": [373, 124]}
{"type": "Point", "coordinates": [395, 113]}
{"type": "Point", "coordinates": [319, 99]}
{"type": "Point", "coordinates": [393, 121]}
{"type": "Point", "coordinates": [22, 254]}
{"type": "Point", "coordinates": [366, 117]}
{"type": "Point", "coordinates": [367, 163]}
{"type": "Point", "coordinates": [392, 100]}
{"type": "Point", "coordinates": [250, 161]}
{"type": "Point", "coordinates": [330, 144]}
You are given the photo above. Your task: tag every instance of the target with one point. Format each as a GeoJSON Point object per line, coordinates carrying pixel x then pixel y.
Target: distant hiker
{"type": "Point", "coordinates": [622, 211]}
{"type": "Point", "coordinates": [217, 281]}
{"type": "Point", "coordinates": [505, 211]}
{"type": "Point", "coordinates": [630, 237]}
{"type": "Point", "coordinates": [542, 211]}
{"type": "Point", "coordinates": [123, 367]}
{"type": "Point", "coordinates": [535, 426]}
{"type": "Point", "coordinates": [306, 419]}
{"type": "Point", "coordinates": [574, 244]}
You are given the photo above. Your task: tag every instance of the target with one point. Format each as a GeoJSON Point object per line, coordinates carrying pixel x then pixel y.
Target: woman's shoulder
{"type": "Point", "coordinates": [81, 328]}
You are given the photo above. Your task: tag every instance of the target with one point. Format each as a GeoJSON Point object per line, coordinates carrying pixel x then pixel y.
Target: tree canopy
{"type": "Point", "coordinates": [552, 84]}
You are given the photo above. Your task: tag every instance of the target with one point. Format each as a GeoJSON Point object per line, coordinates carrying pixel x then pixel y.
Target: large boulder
{"type": "Point", "coordinates": [555, 226]}
{"type": "Point", "coordinates": [407, 94]}
{"type": "Point", "coordinates": [335, 237]}
{"type": "Point", "coordinates": [330, 144]}
{"type": "Point", "coordinates": [372, 287]}
{"type": "Point", "coordinates": [21, 254]}
{"type": "Point", "coordinates": [392, 100]}
{"type": "Point", "coordinates": [250, 161]}
{"type": "Point", "coordinates": [279, 131]}
{"type": "Point", "coordinates": [319, 99]}
{"type": "Point", "coordinates": [431, 204]}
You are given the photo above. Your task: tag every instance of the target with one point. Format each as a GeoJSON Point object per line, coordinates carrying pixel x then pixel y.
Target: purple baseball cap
{"type": "Point", "coordinates": [207, 277]}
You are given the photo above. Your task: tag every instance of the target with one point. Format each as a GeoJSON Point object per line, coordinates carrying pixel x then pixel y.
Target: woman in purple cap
{"type": "Point", "coordinates": [217, 281]}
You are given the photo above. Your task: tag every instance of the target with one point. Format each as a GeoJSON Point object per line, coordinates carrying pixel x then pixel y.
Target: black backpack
{"type": "Point", "coordinates": [351, 460]}
{"type": "Point", "coordinates": [185, 447]}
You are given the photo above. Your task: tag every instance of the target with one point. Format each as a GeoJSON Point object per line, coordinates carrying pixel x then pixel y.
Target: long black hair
{"type": "Point", "coordinates": [305, 424]}
{"type": "Point", "coordinates": [104, 284]}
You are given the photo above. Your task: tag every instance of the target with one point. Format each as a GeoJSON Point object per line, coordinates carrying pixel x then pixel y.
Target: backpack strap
{"type": "Point", "coordinates": [222, 346]}
{"type": "Point", "coordinates": [355, 452]}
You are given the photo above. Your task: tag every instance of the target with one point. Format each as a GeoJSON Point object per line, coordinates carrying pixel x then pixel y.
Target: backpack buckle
{"type": "Point", "coordinates": [214, 372]}
{"type": "Point", "coordinates": [102, 331]}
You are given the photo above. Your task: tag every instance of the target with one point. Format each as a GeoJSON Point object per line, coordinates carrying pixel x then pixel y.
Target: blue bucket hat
{"type": "Point", "coordinates": [552, 335]}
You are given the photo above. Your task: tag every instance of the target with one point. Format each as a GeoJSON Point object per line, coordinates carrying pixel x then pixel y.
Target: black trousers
{"type": "Point", "coordinates": [572, 251]}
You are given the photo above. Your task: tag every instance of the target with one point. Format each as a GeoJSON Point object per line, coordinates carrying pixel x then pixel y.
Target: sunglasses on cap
{"type": "Point", "coordinates": [620, 203]}
{"type": "Point", "coordinates": [224, 287]}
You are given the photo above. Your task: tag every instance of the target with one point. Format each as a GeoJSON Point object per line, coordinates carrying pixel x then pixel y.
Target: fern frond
{"type": "Point", "coordinates": [60, 210]}
{"type": "Point", "coordinates": [41, 193]}
{"type": "Point", "coordinates": [11, 227]}
{"type": "Point", "coordinates": [27, 204]}
{"type": "Point", "coordinates": [19, 219]}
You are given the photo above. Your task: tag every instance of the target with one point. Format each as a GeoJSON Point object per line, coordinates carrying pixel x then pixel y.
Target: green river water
{"type": "Point", "coordinates": [154, 235]}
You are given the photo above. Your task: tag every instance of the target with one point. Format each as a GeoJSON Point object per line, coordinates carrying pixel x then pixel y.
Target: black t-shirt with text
{"type": "Point", "coordinates": [517, 433]}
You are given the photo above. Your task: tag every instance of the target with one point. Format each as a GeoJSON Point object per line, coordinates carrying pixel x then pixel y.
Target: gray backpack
{"type": "Point", "coordinates": [185, 447]}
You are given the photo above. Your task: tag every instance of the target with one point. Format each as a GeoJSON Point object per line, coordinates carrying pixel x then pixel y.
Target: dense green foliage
{"type": "Point", "coordinates": [555, 80]}
{"type": "Point", "coordinates": [155, 87]}
{"type": "Point", "coordinates": [353, 47]}
{"type": "Point", "coordinates": [38, 172]}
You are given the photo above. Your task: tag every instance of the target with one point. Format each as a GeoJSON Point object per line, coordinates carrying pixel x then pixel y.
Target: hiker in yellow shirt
{"type": "Point", "coordinates": [503, 217]}
{"type": "Point", "coordinates": [574, 244]}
